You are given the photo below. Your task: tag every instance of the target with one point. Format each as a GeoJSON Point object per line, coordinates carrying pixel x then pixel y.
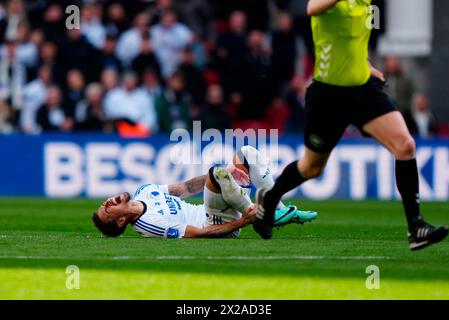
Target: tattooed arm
{"type": "Point", "coordinates": [187, 188]}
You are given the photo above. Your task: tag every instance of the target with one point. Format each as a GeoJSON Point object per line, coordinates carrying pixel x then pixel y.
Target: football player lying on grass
{"type": "Point", "coordinates": [159, 211]}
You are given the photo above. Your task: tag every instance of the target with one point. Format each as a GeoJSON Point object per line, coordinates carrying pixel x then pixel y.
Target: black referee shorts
{"type": "Point", "coordinates": [330, 109]}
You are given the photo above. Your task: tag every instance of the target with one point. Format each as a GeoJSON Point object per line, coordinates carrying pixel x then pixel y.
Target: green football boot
{"type": "Point", "coordinates": [291, 214]}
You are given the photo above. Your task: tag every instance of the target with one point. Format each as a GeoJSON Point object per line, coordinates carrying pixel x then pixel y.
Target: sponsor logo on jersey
{"type": "Point", "coordinates": [173, 204]}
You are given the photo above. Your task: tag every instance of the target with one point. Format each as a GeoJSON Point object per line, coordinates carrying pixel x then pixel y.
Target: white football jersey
{"type": "Point", "coordinates": [166, 216]}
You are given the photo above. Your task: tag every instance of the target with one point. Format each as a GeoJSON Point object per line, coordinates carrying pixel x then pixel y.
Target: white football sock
{"type": "Point", "coordinates": [259, 171]}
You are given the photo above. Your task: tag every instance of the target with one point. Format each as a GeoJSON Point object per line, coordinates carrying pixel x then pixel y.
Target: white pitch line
{"type": "Point", "coordinates": [201, 258]}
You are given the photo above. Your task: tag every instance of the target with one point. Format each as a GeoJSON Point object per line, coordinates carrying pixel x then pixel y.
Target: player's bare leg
{"type": "Point", "coordinates": [391, 131]}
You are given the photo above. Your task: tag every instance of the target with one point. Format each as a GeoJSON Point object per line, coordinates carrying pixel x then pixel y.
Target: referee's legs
{"type": "Point", "coordinates": [392, 132]}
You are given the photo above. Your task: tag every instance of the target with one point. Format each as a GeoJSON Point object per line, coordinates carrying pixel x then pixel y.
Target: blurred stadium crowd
{"type": "Point", "coordinates": [140, 67]}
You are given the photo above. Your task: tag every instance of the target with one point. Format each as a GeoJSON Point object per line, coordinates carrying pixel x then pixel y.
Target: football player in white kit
{"type": "Point", "coordinates": [159, 211]}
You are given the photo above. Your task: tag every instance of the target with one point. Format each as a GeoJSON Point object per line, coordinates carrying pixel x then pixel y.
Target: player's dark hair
{"type": "Point", "coordinates": [110, 229]}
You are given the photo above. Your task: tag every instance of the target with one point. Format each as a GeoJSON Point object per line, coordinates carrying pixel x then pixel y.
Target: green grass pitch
{"type": "Point", "coordinates": [323, 260]}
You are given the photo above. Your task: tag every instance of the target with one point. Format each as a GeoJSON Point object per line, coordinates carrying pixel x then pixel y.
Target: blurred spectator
{"type": "Point", "coordinates": [35, 11]}
{"type": "Point", "coordinates": [193, 77]}
{"type": "Point", "coordinates": [34, 95]}
{"type": "Point", "coordinates": [128, 103]}
{"type": "Point", "coordinates": [26, 49]}
{"type": "Point", "coordinates": [78, 53]}
{"type": "Point", "coordinates": [9, 25]}
{"type": "Point", "coordinates": [91, 26]}
{"type": "Point", "coordinates": [158, 9]}
{"type": "Point", "coordinates": [37, 37]}
{"type": "Point", "coordinates": [302, 25]}
{"type": "Point", "coordinates": [89, 112]}
{"type": "Point", "coordinates": [400, 87]}
{"type": "Point", "coordinates": [169, 38]}
{"type": "Point", "coordinates": [231, 52]}
{"type": "Point", "coordinates": [116, 20]}
{"type": "Point", "coordinates": [151, 84]}
{"type": "Point", "coordinates": [12, 76]}
{"type": "Point", "coordinates": [130, 42]}
{"type": "Point", "coordinates": [420, 120]}
{"type": "Point", "coordinates": [173, 106]}
{"type": "Point", "coordinates": [74, 91]}
{"type": "Point", "coordinates": [151, 88]}
{"type": "Point", "coordinates": [48, 55]}
{"type": "Point", "coordinates": [109, 79]}
{"type": "Point", "coordinates": [196, 14]}
{"type": "Point", "coordinates": [257, 11]}
{"type": "Point", "coordinates": [54, 22]}
{"type": "Point", "coordinates": [213, 113]}
{"type": "Point", "coordinates": [257, 74]}
{"type": "Point", "coordinates": [108, 57]}
{"type": "Point", "coordinates": [51, 115]}
{"type": "Point", "coordinates": [295, 98]}
{"type": "Point", "coordinates": [284, 49]}
{"type": "Point", "coordinates": [146, 57]}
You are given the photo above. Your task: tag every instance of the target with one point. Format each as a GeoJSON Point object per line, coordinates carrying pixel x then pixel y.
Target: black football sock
{"type": "Point", "coordinates": [288, 180]}
{"type": "Point", "coordinates": [407, 181]}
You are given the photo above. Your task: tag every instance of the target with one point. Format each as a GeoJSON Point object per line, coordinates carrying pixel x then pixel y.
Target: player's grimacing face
{"type": "Point", "coordinates": [114, 208]}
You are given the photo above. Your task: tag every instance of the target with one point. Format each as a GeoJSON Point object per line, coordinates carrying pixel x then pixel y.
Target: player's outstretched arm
{"type": "Point", "coordinates": [317, 7]}
{"type": "Point", "coordinates": [187, 188]}
{"type": "Point", "coordinates": [220, 230]}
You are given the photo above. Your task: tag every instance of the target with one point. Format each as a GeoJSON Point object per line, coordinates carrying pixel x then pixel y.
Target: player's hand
{"type": "Point", "coordinates": [376, 73]}
{"type": "Point", "coordinates": [249, 216]}
{"type": "Point", "coordinates": [239, 175]}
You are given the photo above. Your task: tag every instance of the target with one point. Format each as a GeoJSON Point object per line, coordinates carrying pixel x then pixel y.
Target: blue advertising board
{"type": "Point", "coordinates": [98, 166]}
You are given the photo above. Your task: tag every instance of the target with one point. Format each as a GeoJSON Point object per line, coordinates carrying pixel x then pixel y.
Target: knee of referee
{"type": "Point", "coordinates": [310, 169]}
{"type": "Point", "coordinates": [404, 148]}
